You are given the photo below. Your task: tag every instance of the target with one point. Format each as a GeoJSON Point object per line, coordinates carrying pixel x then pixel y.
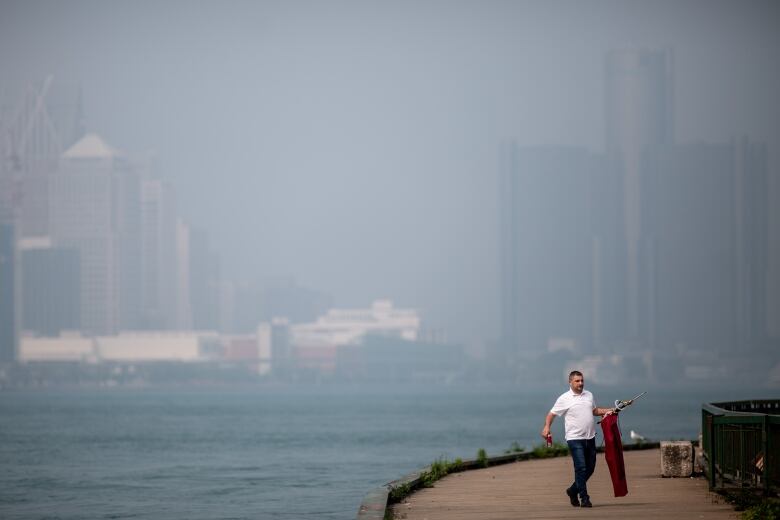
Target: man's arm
{"type": "Point", "coordinates": [547, 423]}
{"type": "Point", "coordinates": [603, 411]}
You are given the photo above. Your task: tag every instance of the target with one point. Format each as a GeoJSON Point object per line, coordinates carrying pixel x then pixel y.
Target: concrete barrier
{"type": "Point", "coordinates": [676, 458]}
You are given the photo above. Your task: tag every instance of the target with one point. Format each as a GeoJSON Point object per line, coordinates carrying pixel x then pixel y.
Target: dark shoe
{"type": "Point", "coordinates": [586, 503]}
{"type": "Point", "coordinates": [573, 497]}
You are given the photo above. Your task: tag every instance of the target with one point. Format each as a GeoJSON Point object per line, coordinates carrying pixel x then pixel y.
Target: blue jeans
{"type": "Point", "coordinates": [583, 453]}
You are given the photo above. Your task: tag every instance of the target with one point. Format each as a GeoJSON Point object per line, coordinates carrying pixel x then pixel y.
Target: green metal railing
{"type": "Point", "coordinates": [741, 442]}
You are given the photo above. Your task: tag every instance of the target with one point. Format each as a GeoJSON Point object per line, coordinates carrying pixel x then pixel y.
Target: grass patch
{"type": "Point", "coordinates": [767, 510]}
{"type": "Point", "coordinates": [439, 469]}
{"type": "Point", "coordinates": [442, 467]}
{"type": "Point", "coordinates": [482, 458]}
{"type": "Point", "coordinates": [556, 450]}
{"type": "Point", "coordinates": [399, 492]}
{"type": "Point", "coordinates": [514, 448]}
{"type": "Point", "coordinates": [753, 506]}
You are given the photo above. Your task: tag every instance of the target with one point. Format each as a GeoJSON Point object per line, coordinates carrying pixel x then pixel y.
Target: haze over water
{"type": "Point", "coordinates": [276, 453]}
{"type": "Point", "coordinates": [347, 155]}
{"type": "Point", "coordinates": [354, 145]}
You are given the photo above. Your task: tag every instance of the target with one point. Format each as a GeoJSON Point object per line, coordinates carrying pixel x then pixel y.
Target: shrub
{"type": "Point", "coordinates": [763, 511]}
{"type": "Point", "coordinates": [515, 448]}
{"type": "Point", "coordinates": [556, 450]}
{"type": "Point", "coordinates": [482, 458]}
{"type": "Point", "coordinates": [439, 469]}
{"type": "Point", "coordinates": [399, 492]}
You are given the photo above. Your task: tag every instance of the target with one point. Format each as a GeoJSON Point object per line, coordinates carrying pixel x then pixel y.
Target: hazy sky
{"type": "Point", "coordinates": [354, 145]}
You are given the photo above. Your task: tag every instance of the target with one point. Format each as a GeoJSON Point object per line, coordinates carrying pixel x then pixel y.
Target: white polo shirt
{"type": "Point", "coordinates": [577, 412]}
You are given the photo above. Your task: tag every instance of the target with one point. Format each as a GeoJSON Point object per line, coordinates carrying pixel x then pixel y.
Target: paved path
{"type": "Point", "coordinates": [535, 489]}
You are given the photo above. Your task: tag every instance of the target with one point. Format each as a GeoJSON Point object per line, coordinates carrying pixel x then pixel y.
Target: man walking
{"type": "Point", "coordinates": [577, 406]}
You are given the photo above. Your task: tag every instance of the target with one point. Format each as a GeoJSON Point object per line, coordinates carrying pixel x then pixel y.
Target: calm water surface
{"type": "Point", "coordinates": [277, 453]}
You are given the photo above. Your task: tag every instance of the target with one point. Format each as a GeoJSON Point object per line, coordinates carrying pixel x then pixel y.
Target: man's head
{"type": "Point", "coordinates": [576, 381]}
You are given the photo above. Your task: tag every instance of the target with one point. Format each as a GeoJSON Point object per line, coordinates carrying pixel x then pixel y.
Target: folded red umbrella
{"type": "Point", "coordinates": [613, 452]}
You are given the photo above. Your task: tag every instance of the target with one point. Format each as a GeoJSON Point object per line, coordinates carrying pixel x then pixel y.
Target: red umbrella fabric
{"type": "Point", "coordinates": [613, 452]}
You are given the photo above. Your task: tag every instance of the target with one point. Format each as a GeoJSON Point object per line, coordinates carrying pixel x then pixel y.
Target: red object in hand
{"type": "Point", "coordinates": [613, 453]}
{"type": "Point", "coordinates": [549, 440]}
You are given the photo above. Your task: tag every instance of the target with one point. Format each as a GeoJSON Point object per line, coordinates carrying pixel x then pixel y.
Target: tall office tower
{"type": "Point", "coordinates": [95, 199]}
{"type": "Point", "coordinates": [704, 258]}
{"type": "Point", "coordinates": [128, 230]}
{"type": "Point", "coordinates": [773, 258]}
{"type": "Point", "coordinates": [51, 289]}
{"type": "Point", "coordinates": [204, 282]}
{"type": "Point", "coordinates": [639, 116]}
{"type": "Point", "coordinates": [559, 252]}
{"type": "Point", "coordinates": [183, 298]}
{"type": "Point", "coordinates": [158, 216]}
{"type": "Point", "coordinates": [9, 189]}
{"type": "Point", "coordinates": [7, 294]}
{"type": "Point", "coordinates": [8, 208]}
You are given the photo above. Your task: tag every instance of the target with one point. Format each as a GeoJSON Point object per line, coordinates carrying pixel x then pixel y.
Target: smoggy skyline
{"type": "Point", "coordinates": [355, 146]}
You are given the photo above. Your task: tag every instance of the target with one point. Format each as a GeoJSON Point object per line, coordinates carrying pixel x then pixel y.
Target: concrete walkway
{"type": "Point", "coordinates": [535, 489]}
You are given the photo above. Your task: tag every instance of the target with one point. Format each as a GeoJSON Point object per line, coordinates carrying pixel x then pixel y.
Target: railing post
{"type": "Point", "coordinates": [713, 442]}
{"type": "Point", "coordinates": [740, 442]}
{"type": "Point", "coordinates": [767, 465]}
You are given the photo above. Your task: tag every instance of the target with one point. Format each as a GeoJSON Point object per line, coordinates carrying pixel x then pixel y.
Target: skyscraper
{"type": "Point", "coordinates": [95, 200]}
{"type": "Point", "coordinates": [639, 117]}
{"type": "Point", "coordinates": [7, 294]}
{"type": "Point", "coordinates": [183, 297]}
{"type": "Point", "coordinates": [204, 282]}
{"type": "Point", "coordinates": [558, 250]}
{"type": "Point", "coordinates": [653, 246]}
{"type": "Point", "coordinates": [158, 221]}
{"type": "Point", "coordinates": [51, 288]}
{"type": "Point", "coordinates": [704, 249]}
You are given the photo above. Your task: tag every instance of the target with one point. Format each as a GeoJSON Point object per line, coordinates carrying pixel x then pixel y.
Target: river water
{"type": "Point", "coordinates": [277, 452]}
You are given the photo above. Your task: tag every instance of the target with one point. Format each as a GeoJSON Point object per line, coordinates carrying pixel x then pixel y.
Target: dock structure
{"type": "Point", "coordinates": [535, 489]}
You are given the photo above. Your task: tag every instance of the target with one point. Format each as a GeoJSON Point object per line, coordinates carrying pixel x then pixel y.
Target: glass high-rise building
{"type": "Point", "coordinates": [639, 116]}
{"type": "Point", "coordinates": [559, 255]}
{"type": "Point", "coordinates": [652, 248]}
{"type": "Point", "coordinates": [51, 290]}
{"type": "Point", "coordinates": [95, 209]}
{"type": "Point", "coordinates": [7, 294]}
{"type": "Point", "coordinates": [703, 258]}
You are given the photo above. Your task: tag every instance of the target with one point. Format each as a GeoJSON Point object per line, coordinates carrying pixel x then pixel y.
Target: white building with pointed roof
{"type": "Point", "coordinates": [91, 147]}
{"type": "Point", "coordinates": [95, 209]}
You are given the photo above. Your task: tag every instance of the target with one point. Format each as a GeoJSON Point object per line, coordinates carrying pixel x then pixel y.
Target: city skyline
{"type": "Point", "coordinates": [365, 166]}
{"type": "Point", "coordinates": [259, 257]}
